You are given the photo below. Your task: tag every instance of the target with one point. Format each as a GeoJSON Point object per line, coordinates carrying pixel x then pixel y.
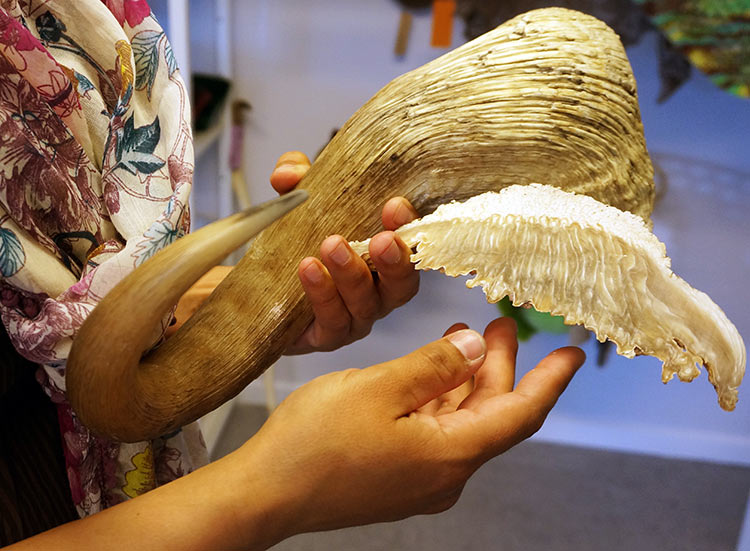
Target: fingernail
{"type": "Point", "coordinates": [285, 167]}
{"type": "Point", "coordinates": [469, 343]}
{"type": "Point", "coordinates": [313, 274]}
{"type": "Point", "coordinates": [391, 254]}
{"type": "Point", "coordinates": [402, 215]}
{"type": "Point", "coordinates": [340, 254]}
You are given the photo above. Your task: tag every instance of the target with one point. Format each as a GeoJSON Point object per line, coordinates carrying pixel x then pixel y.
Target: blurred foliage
{"type": "Point", "coordinates": [531, 321]}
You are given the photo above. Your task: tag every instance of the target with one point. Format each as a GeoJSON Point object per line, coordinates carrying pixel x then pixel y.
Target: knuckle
{"type": "Point", "coordinates": [325, 299]}
{"type": "Point", "coordinates": [337, 325]}
{"type": "Point", "coordinates": [361, 331]}
{"type": "Point", "coordinates": [437, 354]}
{"type": "Point", "coordinates": [442, 360]}
{"type": "Point", "coordinates": [358, 276]}
{"type": "Point", "coordinates": [349, 376]}
{"type": "Point", "coordinates": [399, 293]}
{"type": "Point", "coordinates": [454, 478]}
{"type": "Point", "coordinates": [332, 341]}
{"type": "Point", "coordinates": [447, 502]}
{"type": "Point", "coordinates": [331, 332]}
{"type": "Point", "coordinates": [332, 327]}
{"type": "Point", "coordinates": [534, 421]}
{"type": "Point", "coordinates": [444, 374]}
{"type": "Point", "coordinates": [367, 310]}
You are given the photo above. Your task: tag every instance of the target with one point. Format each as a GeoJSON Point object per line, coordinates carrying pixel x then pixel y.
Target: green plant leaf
{"type": "Point", "coordinates": [525, 329]}
{"type": "Point", "coordinates": [531, 321]}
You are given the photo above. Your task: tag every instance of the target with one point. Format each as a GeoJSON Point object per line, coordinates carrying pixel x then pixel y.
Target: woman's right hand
{"type": "Point", "coordinates": [401, 438]}
{"type": "Point", "coordinates": [345, 297]}
{"type": "Point", "coordinates": [353, 447]}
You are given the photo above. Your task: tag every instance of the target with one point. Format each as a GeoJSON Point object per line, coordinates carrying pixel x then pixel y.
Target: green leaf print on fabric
{"type": "Point", "coordinates": [160, 234]}
{"type": "Point", "coordinates": [146, 48]}
{"type": "Point", "coordinates": [12, 257]}
{"type": "Point", "coordinates": [136, 146]}
{"type": "Point", "coordinates": [171, 59]}
{"type": "Point", "coordinates": [49, 27]}
{"type": "Point", "coordinates": [84, 84]}
{"type": "Point", "coordinates": [146, 54]}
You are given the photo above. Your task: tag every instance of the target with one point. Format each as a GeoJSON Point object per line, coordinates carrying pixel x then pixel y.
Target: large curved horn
{"type": "Point", "coordinates": [107, 395]}
{"type": "Point", "coordinates": [546, 97]}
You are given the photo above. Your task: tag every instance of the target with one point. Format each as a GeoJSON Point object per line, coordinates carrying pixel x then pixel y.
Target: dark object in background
{"type": "Point", "coordinates": [334, 131]}
{"type": "Point", "coordinates": [403, 34]}
{"type": "Point", "coordinates": [415, 4]}
{"type": "Point", "coordinates": [34, 491]}
{"type": "Point", "coordinates": [408, 7]}
{"type": "Point", "coordinates": [674, 69]}
{"type": "Point", "coordinates": [210, 94]}
{"type": "Point", "coordinates": [623, 16]}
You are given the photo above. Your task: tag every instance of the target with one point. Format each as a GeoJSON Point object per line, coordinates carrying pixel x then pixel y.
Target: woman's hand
{"type": "Point", "coordinates": [349, 448]}
{"type": "Point", "coordinates": [402, 438]}
{"type": "Point", "coordinates": [346, 298]}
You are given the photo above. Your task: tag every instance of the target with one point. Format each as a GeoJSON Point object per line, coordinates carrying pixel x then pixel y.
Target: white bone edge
{"type": "Point", "coordinates": [593, 264]}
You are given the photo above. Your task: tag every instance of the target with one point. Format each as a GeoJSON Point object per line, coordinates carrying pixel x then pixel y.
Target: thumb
{"type": "Point", "coordinates": [413, 380]}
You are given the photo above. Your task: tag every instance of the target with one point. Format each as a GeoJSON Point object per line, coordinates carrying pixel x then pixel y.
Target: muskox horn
{"type": "Point", "coordinates": [105, 382]}
{"type": "Point", "coordinates": [547, 97]}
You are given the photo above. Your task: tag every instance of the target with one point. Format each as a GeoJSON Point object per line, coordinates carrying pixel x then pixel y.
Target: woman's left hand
{"type": "Point", "coordinates": [346, 298]}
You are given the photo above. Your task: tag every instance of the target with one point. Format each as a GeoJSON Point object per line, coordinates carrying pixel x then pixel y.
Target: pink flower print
{"type": "Point", "coordinates": [131, 11]}
{"type": "Point", "coordinates": [180, 172]}
{"type": "Point", "coordinates": [76, 488]}
{"type": "Point", "coordinates": [37, 338]}
{"type": "Point", "coordinates": [59, 93]}
{"type": "Point", "coordinates": [15, 35]}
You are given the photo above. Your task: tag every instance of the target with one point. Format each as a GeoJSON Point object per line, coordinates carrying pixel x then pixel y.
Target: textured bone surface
{"type": "Point", "coordinates": [548, 96]}
{"type": "Point", "coordinates": [592, 264]}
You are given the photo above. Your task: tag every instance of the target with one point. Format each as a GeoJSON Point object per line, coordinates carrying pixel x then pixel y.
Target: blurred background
{"type": "Point", "coordinates": [305, 67]}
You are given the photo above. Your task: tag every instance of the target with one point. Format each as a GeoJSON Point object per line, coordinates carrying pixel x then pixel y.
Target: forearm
{"type": "Point", "coordinates": [351, 447]}
{"type": "Point", "coordinates": [225, 505]}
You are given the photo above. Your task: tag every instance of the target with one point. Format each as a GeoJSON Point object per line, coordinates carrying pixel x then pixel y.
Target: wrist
{"type": "Point", "coordinates": [264, 502]}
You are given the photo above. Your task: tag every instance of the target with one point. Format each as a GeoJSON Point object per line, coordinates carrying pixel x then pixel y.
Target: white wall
{"type": "Point", "coordinates": [307, 66]}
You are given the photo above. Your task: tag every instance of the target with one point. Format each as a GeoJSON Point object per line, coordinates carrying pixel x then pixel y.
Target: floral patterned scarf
{"type": "Point", "coordinates": [96, 163]}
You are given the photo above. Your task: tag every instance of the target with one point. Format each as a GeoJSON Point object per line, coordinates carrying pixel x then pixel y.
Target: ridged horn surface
{"type": "Point", "coordinates": [592, 264]}
{"type": "Point", "coordinates": [548, 96]}
{"type": "Point", "coordinates": [114, 390]}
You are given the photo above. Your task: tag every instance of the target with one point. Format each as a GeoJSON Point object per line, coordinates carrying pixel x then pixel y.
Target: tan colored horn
{"type": "Point", "coordinates": [106, 384]}
{"type": "Point", "coordinates": [547, 97]}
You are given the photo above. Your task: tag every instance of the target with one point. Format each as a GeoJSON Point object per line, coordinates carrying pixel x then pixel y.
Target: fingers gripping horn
{"type": "Point", "coordinates": [547, 97]}
{"type": "Point", "coordinates": [111, 387]}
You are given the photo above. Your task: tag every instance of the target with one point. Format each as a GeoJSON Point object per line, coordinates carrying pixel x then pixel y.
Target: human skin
{"type": "Point", "coordinates": [345, 297]}
{"type": "Point", "coordinates": [352, 447]}
{"type": "Point", "coordinates": [346, 300]}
